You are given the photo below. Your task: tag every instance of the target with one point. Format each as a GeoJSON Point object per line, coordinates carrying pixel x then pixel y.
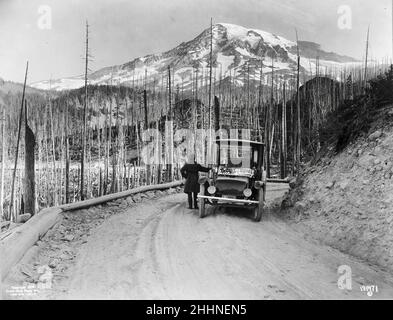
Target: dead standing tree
{"type": "Point", "coordinates": [3, 159]}
{"type": "Point", "coordinates": [298, 124]}
{"type": "Point", "coordinates": [82, 180]}
{"type": "Point", "coordinates": [169, 131]}
{"type": "Point", "coordinates": [67, 156]}
{"type": "Point", "coordinates": [268, 123]}
{"type": "Point", "coordinates": [17, 144]}
{"type": "Point", "coordinates": [29, 180]}
{"type": "Point", "coordinates": [365, 64]}
{"type": "Point", "coordinates": [283, 153]}
{"type": "Point", "coordinates": [146, 127]}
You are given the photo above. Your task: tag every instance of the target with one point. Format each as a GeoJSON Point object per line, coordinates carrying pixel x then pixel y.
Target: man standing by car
{"type": "Point", "coordinates": [190, 172]}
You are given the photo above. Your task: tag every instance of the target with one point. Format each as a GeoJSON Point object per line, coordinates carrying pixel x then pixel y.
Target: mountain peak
{"type": "Point", "coordinates": [237, 52]}
{"type": "Point", "coordinates": [239, 32]}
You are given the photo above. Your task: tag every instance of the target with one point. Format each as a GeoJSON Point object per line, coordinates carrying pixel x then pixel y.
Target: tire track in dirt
{"type": "Point", "coordinates": [109, 266]}
{"type": "Point", "coordinates": [158, 249]}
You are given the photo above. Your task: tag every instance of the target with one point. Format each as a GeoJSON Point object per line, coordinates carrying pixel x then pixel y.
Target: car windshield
{"type": "Point", "coordinates": [234, 156]}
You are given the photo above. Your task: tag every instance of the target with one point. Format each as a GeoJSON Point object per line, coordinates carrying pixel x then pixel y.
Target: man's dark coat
{"type": "Point", "coordinates": [190, 173]}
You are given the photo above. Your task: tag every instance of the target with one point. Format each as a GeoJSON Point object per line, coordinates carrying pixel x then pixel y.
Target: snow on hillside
{"type": "Point", "coordinates": [236, 51]}
{"type": "Point", "coordinates": [60, 84]}
{"type": "Point", "coordinates": [251, 36]}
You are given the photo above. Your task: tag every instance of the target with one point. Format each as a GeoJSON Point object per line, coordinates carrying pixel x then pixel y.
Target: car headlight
{"type": "Point", "coordinates": [247, 192]}
{"type": "Point", "coordinates": [258, 185]}
{"type": "Point", "coordinates": [211, 189]}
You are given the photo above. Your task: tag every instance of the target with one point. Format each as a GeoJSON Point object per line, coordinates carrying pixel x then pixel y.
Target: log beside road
{"type": "Point", "coordinates": [114, 196]}
{"type": "Point", "coordinates": [14, 246]}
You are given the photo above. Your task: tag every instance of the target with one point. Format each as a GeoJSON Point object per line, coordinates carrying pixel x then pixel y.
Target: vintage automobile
{"type": "Point", "coordinates": [237, 179]}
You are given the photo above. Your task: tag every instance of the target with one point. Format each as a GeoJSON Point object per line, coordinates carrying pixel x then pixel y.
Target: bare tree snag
{"type": "Point", "coordinates": [17, 143]}
{"type": "Point", "coordinates": [216, 114]}
{"type": "Point", "coordinates": [67, 157]}
{"type": "Point", "coordinates": [29, 181]}
{"type": "Point", "coordinates": [3, 157]}
{"type": "Point", "coordinates": [82, 180]}
{"type": "Point", "coordinates": [298, 125]}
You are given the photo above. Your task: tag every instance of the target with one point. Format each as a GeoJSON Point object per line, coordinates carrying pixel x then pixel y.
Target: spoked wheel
{"type": "Point", "coordinates": [202, 203]}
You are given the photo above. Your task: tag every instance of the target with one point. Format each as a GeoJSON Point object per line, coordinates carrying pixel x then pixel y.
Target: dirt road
{"type": "Point", "coordinates": [159, 249]}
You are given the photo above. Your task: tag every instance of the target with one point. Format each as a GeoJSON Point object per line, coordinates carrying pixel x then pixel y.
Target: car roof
{"type": "Point", "coordinates": [241, 141]}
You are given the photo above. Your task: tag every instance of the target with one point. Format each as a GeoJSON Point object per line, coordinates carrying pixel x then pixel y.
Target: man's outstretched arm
{"type": "Point", "coordinates": [203, 169]}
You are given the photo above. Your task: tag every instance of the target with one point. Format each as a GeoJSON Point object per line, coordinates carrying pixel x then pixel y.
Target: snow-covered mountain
{"type": "Point", "coordinates": [238, 52]}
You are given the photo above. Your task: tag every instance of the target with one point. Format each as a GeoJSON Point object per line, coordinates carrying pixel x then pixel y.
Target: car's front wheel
{"type": "Point", "coordinates": [202, 203]}
{"type": "Point", "coordinates": [257, 213]}
{"type": "Point", "coordinates": [259, 208]}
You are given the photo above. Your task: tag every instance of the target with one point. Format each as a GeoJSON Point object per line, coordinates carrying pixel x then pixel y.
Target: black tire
{"type": "Point", "coordinates": [257, 213]}
{"type": "Point", "coordinates": [202, 202]}
{"type": "Point", "coordinates": [258, 210]}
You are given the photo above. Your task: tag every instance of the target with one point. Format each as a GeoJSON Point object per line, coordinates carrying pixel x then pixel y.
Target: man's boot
{"type": "Point", "coordinates": [196, 201]}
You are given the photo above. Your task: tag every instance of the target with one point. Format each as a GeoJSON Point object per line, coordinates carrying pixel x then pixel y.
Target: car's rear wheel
{"type": "Point", "coordinates": [202, 203]}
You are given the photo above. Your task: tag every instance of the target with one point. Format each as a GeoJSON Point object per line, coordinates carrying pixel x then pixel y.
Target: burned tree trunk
{"type": "Point", "coordinates": [29, 181]}
{"type": "Point", "coordinates": [17, 145]}
{"type": "Point", "coordinates": [283, 155]}
{"type": "Point", "coordinates": [146, 127]}
{"type": "Point", "coordinates": [3, 157]}
{"type": "Point", "coordinates": [82, 177]}
{"type": "Point", "coordinates": [169, 132]}
{"type": "Point", "coordinates": [145, 110]}
{"type": "Point", "coordinates": [298, 120]}
{"type": "Point", "coordinates": [216, 114]}
{"type": "Point", "coordinates": [67, 157]}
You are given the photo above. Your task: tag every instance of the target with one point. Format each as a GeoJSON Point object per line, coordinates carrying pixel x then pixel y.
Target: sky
{"type": "Point", "coordinates": [50, 34]}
